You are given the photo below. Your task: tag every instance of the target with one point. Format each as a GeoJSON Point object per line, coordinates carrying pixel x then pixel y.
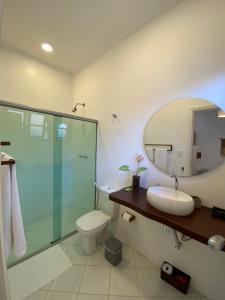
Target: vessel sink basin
{"type": "Point", "coordinates": [170, 201]}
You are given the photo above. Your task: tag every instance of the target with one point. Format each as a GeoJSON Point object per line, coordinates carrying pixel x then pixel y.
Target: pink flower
{"type": "Point", "coordinates": [138, 170]}
{"type": "Point", "coordinates": [139, 158]}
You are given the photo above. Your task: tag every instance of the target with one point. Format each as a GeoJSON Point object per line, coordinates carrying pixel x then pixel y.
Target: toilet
{"type": "Point", "coordinates": [92, 225]}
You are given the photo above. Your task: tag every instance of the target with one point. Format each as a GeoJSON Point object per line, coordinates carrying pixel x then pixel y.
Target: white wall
{"type": "Point", "coordinates": [4, 288]}
{"type": "Point", "coordinates": [26, 81]}
{"type": "Point", "coordinates": [178, 55]}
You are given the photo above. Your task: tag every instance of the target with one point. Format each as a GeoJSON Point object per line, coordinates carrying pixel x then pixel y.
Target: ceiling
{"type": "Point", "coordinates": [79, 30]}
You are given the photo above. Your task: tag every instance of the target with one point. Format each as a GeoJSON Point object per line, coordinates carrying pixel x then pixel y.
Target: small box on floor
{"type": "Point", "coordinates": [113, 250]}
{"type": "Point", "coordinates": [175, 277]}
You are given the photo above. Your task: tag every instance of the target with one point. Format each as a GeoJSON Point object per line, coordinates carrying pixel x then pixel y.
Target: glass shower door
{"type": "Point", "coordinates": [31, 137]}
{"type": "Point", "coordinates": [78, 171]}
{"type": "Point", "coordinates": [74, 155]}
{"type": "Point", "coordinates": [55, 161]}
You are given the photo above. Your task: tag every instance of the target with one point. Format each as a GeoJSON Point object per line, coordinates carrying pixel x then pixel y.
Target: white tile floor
{"type": "Point", "coordinates": [93, 278]}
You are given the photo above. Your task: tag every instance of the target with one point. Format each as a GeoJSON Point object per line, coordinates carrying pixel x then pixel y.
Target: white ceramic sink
{"type": "Point", "coordinates": [170, 201]}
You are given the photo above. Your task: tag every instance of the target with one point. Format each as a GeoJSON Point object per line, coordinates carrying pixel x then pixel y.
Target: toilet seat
{"type": "Point", "coordinates": [92, 220]}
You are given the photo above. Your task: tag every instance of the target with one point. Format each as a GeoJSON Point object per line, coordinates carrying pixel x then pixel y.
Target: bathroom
{"type": "Point", "coordinates": [128, 59]}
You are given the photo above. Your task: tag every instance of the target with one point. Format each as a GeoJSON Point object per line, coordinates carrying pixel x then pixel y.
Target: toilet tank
{"type": "Point", "coordinates": [107, 206]}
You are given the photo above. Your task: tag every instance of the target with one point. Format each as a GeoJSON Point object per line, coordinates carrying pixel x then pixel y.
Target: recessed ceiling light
{"type": "Point", "coordinates": [47, 47]}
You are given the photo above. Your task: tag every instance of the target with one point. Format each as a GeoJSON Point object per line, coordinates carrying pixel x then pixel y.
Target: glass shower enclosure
{"type": "Point", "coordinates": [56, 167]}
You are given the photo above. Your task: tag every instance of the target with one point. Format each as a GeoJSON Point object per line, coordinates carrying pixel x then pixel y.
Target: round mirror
{"type": "Point", "coordinates": [186, 137]}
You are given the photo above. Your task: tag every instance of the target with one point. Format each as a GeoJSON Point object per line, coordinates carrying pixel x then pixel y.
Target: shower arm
{"type": "Point", "coordinates": [75, 107]}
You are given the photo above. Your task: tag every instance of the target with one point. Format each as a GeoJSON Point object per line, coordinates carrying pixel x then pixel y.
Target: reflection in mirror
{"type": "Point", "coordinates": [186, 137]}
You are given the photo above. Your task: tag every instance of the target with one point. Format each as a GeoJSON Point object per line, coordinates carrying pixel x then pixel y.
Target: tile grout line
{"type": "Point", "coordinates": [135, 267]}
{"type": "Point", "coordinates": [45, 296]}
{"type": "Point", "coordinates": [58, 292]}
{"type": "Point", "coordinates": [110, 267]}
{"type": "Point", "coordinates": [51, 283]}
{"type": "Point", "coordinates": [82, 277]}
{"type": "Point", "coordinates": [49, 289]}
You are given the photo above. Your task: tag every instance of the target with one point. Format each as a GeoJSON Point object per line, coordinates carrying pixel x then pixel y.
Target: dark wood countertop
{"type": "Point", "coordinates": [200, 225]}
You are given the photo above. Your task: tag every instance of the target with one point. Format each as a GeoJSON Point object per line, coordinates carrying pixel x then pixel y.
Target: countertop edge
{"type": "Point", "coordinates": [150, 212]}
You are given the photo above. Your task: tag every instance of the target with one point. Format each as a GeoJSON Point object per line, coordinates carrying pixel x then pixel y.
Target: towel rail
{"type": "Point", "coordinates": [154, 147]}
{"type": "Point", "coordinates": [3, 143]}
{"type": "Point", "coordinates": [10, 161]}
{"type": "Point", "coordinates": [167, 147]}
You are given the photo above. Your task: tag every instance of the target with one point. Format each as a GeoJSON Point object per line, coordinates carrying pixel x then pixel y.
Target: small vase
{"type": "Point", "coordinates": [136, 182]}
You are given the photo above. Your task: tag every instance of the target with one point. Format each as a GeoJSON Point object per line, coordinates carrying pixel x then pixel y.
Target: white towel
{"type": "Point", "coordinates": [161, 159]}
{"type": "Point", "coordinates": [13, 230]}
{"type": "Point", "coordinates": [149, 152]}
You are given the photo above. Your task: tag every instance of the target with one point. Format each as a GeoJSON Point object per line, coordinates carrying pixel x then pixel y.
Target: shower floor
{"type": "Point", "coordinates": [39, 233]}
{"type": "Point", "coordinates": [39, 269]}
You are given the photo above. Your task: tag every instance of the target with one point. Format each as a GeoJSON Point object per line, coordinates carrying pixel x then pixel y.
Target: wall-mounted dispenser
{"type": "Point", "coordinates": [128, 217]}
{"type": "Point", "coordinates": [216, 242]}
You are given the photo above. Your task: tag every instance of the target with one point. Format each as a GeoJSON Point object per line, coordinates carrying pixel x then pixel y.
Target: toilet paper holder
{"type": "Point", "coordinates": [128, 217]}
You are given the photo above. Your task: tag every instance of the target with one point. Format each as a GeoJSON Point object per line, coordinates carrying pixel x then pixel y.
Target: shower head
{"type": "Point", "coordinates": [75, 107]}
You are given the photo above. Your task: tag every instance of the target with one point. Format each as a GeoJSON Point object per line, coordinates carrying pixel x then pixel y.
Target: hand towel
{"type": "Point", "coordinates": [150, 152]}
{"type": "Point", "coordinates": [161, 159]}
{"type": "Point", "coordinates": [13, 230]}
{"type": "Point", "coordinates": [4, 290]}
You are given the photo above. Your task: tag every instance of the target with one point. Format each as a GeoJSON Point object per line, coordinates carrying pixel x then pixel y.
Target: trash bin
{"type": "Point", "coordinates": [113, 250]}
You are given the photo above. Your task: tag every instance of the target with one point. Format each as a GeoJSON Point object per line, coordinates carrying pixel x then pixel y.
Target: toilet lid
{"type": "Point", "coordinates": [92, 220]}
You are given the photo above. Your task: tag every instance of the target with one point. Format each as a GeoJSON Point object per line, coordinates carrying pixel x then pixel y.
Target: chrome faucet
{"type": "Point", "coordinates": [176, 181]}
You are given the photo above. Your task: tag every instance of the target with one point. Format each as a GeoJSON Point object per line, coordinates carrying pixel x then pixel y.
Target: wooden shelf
{"type": "Point", "coordinates": [200, 225]}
